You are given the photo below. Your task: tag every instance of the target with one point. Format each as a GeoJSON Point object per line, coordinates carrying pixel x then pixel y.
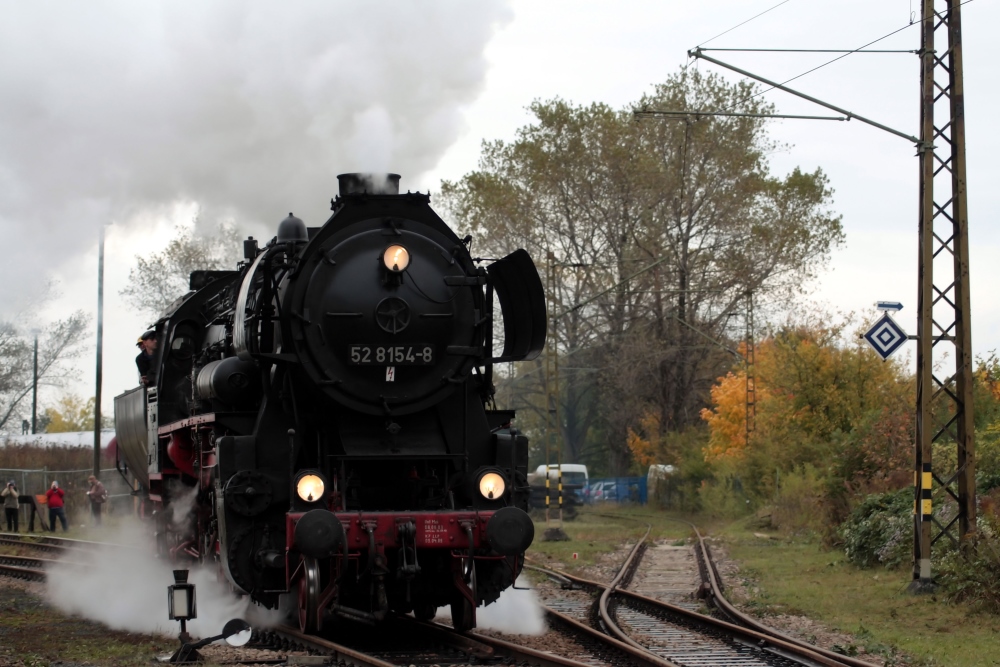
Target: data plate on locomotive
{"type": "Point", "coordinates": [363, 354]}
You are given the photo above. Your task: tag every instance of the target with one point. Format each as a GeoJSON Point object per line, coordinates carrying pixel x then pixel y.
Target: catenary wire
{"type": "Point", "coordinates": [744, 23]}
{"type": "Point", "coordinates": [829, 62]}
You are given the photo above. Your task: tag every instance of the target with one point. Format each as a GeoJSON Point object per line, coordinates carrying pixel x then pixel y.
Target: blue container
{"type": "Point", "coordinates": [617, 490]}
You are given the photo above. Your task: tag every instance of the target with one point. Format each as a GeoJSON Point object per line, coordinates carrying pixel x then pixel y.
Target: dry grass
{"type": "Point", "coordinates": [800, 577]}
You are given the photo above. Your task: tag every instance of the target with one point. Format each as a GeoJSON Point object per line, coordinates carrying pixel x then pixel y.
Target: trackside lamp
{"type": "Point", "coordinates": [181, 599]}
{"type": "Point", "coordinates": [181, 602]}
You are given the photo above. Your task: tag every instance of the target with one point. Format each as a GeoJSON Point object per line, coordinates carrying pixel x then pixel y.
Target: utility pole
{"type": "Point", "coordinates": [553, 426]}
{"type": "Point", "coordinates": [943, 296]}
{"type": "Point", "coordinates": [751, 384]}
{"type": "Point", "coordinates": [34, 389]}
{"type": "Point", "coordinates": [100, 354]}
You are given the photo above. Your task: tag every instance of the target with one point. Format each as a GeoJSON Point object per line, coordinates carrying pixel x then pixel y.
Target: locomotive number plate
{"type": "Point", "coordinates": [391, 355]}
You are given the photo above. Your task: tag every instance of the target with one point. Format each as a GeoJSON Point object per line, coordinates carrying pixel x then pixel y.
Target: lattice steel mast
{"type": "Point", "coordinates": [944, 407]}
{"type": "Point", "coordinates": [943, 294]}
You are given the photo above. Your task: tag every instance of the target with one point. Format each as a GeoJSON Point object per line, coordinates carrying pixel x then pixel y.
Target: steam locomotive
{"type": "Point", "coordinates": [321, 420]}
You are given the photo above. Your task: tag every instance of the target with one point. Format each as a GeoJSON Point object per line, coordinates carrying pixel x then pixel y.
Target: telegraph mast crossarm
{"type": "Point", "coordinates": [698, 53]}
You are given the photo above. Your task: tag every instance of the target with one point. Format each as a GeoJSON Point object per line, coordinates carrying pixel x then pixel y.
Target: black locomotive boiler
{"type": "Point", "coordinates": [326, 412]}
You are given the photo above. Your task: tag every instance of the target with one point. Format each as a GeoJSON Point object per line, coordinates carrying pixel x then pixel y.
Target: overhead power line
{"type": "Point", "coordinates": [860, 49]}
{"type": "Point", "coordinates": [744, 23]}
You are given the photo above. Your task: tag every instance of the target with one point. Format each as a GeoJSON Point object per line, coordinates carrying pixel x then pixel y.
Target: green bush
{"type": "Point", "coordinates": [970, 575]}
{"type": "Point", "coordinates": [799, 504]}
{"type": "Point", "coordinates": [724, 498]}
{"type": "Point", "coordinates": [878, 531]}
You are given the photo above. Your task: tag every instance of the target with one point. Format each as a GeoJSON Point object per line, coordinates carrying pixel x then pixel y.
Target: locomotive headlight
{"type": "Point", "coordinates": [310, 487]}
{"type": "Point", "coordinates": [396, 258]}
{"type": "Point", "coordinates": [492, 485]}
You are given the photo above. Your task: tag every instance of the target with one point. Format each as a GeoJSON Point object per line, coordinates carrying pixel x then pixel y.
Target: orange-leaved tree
{"type": "Point", "coordinates": [822, 400]}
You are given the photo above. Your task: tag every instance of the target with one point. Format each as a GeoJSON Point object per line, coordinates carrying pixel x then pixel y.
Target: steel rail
{"type": "Point", "coordinates": [750, 635]}
{"type": "Point", "coordinates": [611, 624]}
{"type": "Point", "coordinates": [443, 633]}
{"type": "Point", "coordinates": [475, 643]}
{"type": "Point", "coordinates": [344, 656]}
{"type": "Point", "coordinates": [638, 653]}
{"type": "Point", "coordinates": [26, 567]}
{"type": "Point", "coordinates": [715, 591]}
{"type": "Point", "coordinates": [477, 647]}
{"type": "Point", "coordinates": [49, 547]}
{"type": "Point", "coordinates": [523, 654]}
{"type": "Point", "coordinates": [26, 561]}
{"type": "Point", "coordinates": [31, 574]}
{"type": "Point", "coordinates": [51, 539]}
{"type": "Point", "coordinates": [719, 600]}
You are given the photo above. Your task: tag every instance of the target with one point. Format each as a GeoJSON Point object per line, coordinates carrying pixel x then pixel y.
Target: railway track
{"type": "Point", "coordinates": [680, 635]}
{"type": "Point", "coordinates": [50, 543]}
{"type": "Point", "coordinates": [405, 641]}
{"type": "Point", "coordinates": [31, 568]}
{"type": "Point", "coordinates": [24, 567]}
{"type": "Point", "coordinates": [591, 623]}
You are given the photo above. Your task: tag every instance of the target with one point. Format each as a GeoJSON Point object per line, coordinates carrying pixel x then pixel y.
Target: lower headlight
{"type": "Point", "coordinates": [492, 485]}
{"type": "Point", "coordinates": [310, 487]}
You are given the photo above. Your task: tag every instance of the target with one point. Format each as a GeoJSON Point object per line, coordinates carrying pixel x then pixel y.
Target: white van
{"type": "Point", "coordinates": [572, 473]}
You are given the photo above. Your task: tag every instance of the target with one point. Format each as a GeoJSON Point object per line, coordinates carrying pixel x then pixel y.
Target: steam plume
{"type": "Point", "coordinates": [118, 111]}
{"type": "Point", "coordinates": [126, 589]}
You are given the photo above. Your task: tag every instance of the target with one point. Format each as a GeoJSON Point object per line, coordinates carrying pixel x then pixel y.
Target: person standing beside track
{"type": "Point", "coordinates": [55, 499]}
{"type": "Point", "coordinates": [97, 495]}
{"type": "Point", "coordinates": [10, 506]}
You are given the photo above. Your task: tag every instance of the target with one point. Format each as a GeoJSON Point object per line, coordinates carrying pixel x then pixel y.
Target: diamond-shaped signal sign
{"type": "Point", "coordinates": [886, 336]}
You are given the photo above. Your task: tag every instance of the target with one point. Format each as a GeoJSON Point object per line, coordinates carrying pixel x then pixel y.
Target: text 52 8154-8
{"type": "Point", "coordinates": [395, 355]}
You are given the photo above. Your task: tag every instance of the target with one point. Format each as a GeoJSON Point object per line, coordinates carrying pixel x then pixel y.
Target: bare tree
{"type": "Point", "coordinates": [58, 344]}
{"type": "Point", "coordinates": [159, 278]}
{"type": "Point", "coordinates": [656, 231]}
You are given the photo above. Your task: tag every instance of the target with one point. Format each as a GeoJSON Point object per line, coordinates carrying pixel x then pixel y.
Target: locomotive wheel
{"type": "Point", "coordinates": [309, 596]}
{"type": "Point", "coordinates": [424, 612]}
{"type": "Point", "coordinates": [463, 612]}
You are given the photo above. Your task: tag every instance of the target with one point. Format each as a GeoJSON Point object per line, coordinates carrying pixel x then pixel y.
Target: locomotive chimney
{"type": "Point", "coordinates": [373, 184]}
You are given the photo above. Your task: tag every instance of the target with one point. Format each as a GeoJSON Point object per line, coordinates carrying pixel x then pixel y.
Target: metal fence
{"type": "Point", "coordinates": [74, 484]}
{"type": "Point", "coordinates": [618, 490]}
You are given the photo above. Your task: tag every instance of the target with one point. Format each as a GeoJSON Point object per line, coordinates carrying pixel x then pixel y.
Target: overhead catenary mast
{"type": "Point", "coordinates": [943, 302]}
{"type": "Point", "coordinates": [943, 295]}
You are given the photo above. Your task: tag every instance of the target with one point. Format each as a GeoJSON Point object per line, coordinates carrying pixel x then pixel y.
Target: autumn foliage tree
{"type": "Point", "coordinates": [72, 414]}
{"type": "Point", "coordinates": [823, 400]}
{"type": "Point", "coordinates": [655, 231]}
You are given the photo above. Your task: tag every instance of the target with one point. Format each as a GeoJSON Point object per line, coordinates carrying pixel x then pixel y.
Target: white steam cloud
{"type": "Point", "coordinates": [118, 110]}
{"type": "Point", "coordinates": [126, 589]}
{"type": "Point", "coordinates": [516, 612]}
{"type": "Point", "coordinates": [181, 504]}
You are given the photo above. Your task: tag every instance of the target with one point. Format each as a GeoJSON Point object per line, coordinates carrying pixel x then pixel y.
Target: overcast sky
{"type": "Point", "coordinates": [141, 114]}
